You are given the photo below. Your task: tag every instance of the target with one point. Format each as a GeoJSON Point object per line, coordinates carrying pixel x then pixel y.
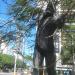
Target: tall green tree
{"type": "Point", "coordinates": [8, 61]}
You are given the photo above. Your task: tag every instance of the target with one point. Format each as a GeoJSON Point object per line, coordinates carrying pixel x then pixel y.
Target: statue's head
{"type": "Point", "coordinates": [51, 7]}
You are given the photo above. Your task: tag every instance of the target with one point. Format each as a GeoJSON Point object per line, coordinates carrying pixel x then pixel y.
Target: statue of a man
{"type": "Point", "coordinates": [44, 46]}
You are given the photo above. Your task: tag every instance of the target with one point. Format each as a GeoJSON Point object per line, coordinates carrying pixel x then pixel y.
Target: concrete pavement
{"type": "Point", "coordinates": [4, 73]}
{"type": "Point", "coordinates": [11, 73]}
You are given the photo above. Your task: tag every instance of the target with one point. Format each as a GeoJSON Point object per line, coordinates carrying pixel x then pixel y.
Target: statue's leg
{"type": "Point", "coordinates": [38, 63]}
{"type": "Point", "coordinates": [50, 63]}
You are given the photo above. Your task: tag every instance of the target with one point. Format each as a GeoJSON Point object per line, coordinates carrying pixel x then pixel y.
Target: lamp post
{"type": "Point", "coordinates": [15, 63]}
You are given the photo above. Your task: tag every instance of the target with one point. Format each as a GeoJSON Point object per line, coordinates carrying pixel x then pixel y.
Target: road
{"type": "Point", "coordinates": [6, 73]}
{"type": "Point", "coordinates": [1, 73]}
{"type": "Point", "coordinates": [18, 73]}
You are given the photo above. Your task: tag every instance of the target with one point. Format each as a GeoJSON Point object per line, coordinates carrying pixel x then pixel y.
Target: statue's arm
{"type": "Point", "coordinates": [60, 22]}
{"type": "Point", "coordinates": [62, 19]}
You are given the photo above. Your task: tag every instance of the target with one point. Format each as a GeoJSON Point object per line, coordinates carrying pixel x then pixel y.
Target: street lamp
{"type": "Point", "coordinates": [16, 53]}
{"type": "Point", "coordinates": [15, 63]}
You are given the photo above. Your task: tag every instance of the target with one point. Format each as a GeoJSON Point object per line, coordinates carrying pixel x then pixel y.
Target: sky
{"type": "Point", "coordinates": [4, 4]}
{"type": "Point", "coordinates": [4, 17]}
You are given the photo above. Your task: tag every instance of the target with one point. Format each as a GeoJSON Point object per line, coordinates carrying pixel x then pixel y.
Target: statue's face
{"type": "Point", "coordinates": [50, 9]}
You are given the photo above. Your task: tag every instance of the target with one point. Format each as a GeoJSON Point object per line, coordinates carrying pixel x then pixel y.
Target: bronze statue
{"type": "Point", "coordinates": [44, 46]}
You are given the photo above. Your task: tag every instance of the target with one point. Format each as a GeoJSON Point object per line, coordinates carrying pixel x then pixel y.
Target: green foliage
{"type": "Point", "coordinates": [68, 4]}
{"type": "Point", "coordinates": [27, 12]}
{"type": "Point", "coordinates": [23, 10]}
{"type": "Point", "coordinates": [5, 59]}
{"type": "Point", "coordinates": [8, 60]}
{"type": "Point", "coordinates": [69, 27]}
{"type": "Point", "coordinates": [28, 57]}
{"type": "Point", "coordinates": [68, 44]}
{"type": "Point", "coordinates": [66, 55]}
{"type": "Point", "coordinates": [21, 2]}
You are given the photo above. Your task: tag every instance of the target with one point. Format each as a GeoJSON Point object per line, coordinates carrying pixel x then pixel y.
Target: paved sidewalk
{"type": "Point", "coordinates": [11, 73]}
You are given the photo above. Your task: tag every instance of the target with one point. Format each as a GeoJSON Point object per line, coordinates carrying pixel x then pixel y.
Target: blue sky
{"type": "Point", "coordinates": [4, 8]}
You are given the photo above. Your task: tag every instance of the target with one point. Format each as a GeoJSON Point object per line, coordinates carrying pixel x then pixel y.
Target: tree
{"type": "Point", "coordinates": [7, 61]}
{"type": "Point", "coordinates": [68, 42]}
{"type": "Point", "coordinates": [67, 4]}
